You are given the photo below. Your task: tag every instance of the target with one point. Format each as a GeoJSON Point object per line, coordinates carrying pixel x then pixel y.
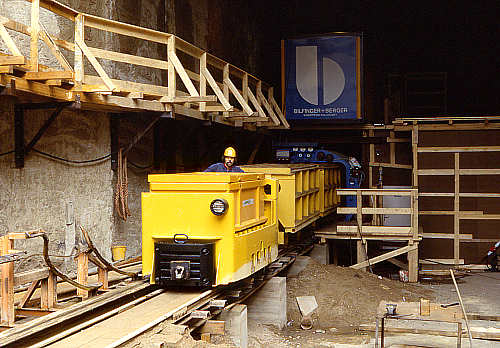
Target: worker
{"type": "Point", "coordinates": [228, 165]}
{"type": "Point", "coordinates": [492, 256]}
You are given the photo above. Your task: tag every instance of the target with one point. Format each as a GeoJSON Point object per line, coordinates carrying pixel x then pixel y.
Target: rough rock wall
{"type": "Point", "coordinates": [51, 194]}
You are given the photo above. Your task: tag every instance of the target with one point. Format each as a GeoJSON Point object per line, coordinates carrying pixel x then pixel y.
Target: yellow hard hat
{"type": "Point", "coordinates": [230, 152]}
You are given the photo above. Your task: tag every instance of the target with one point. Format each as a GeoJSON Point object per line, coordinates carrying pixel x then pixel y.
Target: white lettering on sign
{"type": "Point", "coordinates": [247, 202]}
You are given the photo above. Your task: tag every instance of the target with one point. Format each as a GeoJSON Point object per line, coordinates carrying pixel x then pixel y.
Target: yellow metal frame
{"type": "Point", "coordinates": [245, 237]}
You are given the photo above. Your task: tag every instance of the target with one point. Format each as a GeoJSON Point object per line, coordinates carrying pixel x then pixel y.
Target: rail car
{"type": "Point", "coordinates": [208, 229]}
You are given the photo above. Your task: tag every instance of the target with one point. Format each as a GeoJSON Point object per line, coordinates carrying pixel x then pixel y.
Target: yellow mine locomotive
{"type": "Point", "coordinates": [208, 229]}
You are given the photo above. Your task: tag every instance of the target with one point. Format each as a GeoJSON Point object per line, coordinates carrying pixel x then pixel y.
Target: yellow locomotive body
{"type": "Point", "coordinates": [208, 229]}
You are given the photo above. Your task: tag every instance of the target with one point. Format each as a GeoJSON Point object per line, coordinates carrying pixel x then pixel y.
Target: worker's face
{"type": "Point", "coordinates": [229, 161]}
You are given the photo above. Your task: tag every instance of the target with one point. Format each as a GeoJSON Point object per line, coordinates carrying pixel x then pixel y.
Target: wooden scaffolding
{"type": "Point", "coordinates": [214, 90]}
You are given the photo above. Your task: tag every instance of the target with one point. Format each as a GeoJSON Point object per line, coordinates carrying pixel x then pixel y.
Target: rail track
{"type": "Point", "coordinates": [124, 313]}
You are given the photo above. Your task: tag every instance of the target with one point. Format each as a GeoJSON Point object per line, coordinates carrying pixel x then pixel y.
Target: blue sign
{"type": "Point", "coordinates": [322, 78]}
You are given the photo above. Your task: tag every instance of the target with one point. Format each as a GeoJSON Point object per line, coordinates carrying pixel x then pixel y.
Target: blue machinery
{"type": "Point", "coordinates": [310, 153]}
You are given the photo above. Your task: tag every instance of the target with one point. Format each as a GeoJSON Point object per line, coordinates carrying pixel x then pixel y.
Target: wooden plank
{"type": "Point", "coordinates": [459, 149]}
{"type": "Point", "coordinates": [347, 210]}
{"type": "Point", "coordinates": [392, 139]}
{"type": "Point", "coordinates": [400, 264]}
{"type": "Point", "coordinates": [392, 149]}
{"type": "Point", "coordinates": [480, 195]}
{"type": "Point", "coordinates": [441, 261]}
{"type": "Point", "coordinates": [102, 277]}
{"type": "Point", "coordinates": [49, 75]}
{"type": "Point", "coordinates": [480, 217]}
{"type": "Point", "coordinates": [54, 49]}
{"type": "Point", "coordinates": [30, 276]}
{"type": "Point", "coordinates": [11, 45]}
{"type": "Point", "coordinates": [436, 172]}
{"type": "Point", "coordinates": [174, 60]}
{"type": "Point", "coordinates": [384, 257]}
{"type": "Point", "coordinates": [273, 103]}
{"type": "Point", "coordinates": [229, 84]}
{"type": "Point", "coordinates": [446, 236]}
{"type": "Point", "coordinates": [436, 212]}
{"type": "Point", "coordinates": [375, 192]}
{"type": "Point", "coordinates": [7, 291]}
{"type": "Point", "coordinates": [12, 60]}
{"type": "Point", "coordinates": [172, 84]}
{"type": "Point", "coordinates": [129, 58]}
{"type": "Point", "coordinates": [391, 165]}
{"type": "Point", "coordinates": [456, 219]}
{"type": "Point", "coordinates": [123, 102]}
{"type": "Point", "coordinates": [211, 81]}
{"type": "Point", "coordinates": [55, 318]}
{"type": "Point", "coordinates": [479, 171]}
{"type": "Point", "coordinates": [376, 229]}
{"type": "Point", "coordinates": [214, 327]}
{"type": "Point", "coordinates": [188, 99]}
{"type": "Point", "coordinates": [436, 194]}
{"type": "Point", "coordinates": [255, 103]}
{"type": "Point", "coordinates": [95, 64]}
{"type": "Point", "coordinates": [126, 29]}
{"type": "Point", "coordinates": [268, 107]}
{"type": "Point", "coordinates": [477, 332]}
{"type": "Point", "coordinates": [35, 87]}
{"type": "Point", "coordinates": [203, 81]}
{"type": "Point", "coordinates": [82, 273]}
{"type": "Point", "coordinates": [29, 292]}
{"type": "Point", "coordinates": [126, 86]}
{"type": "Point", "coordinates": [414, 146]}
{"type": "Point", "coordinates": [79, 65]}
{"type": "Point", "coordinates": [6, 69]}
{"type": "Point", "coordinates": [34, 33]}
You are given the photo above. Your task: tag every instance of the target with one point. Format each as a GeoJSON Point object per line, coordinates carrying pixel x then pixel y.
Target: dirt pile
{"type": "Point", "coordinates": [346, 297]}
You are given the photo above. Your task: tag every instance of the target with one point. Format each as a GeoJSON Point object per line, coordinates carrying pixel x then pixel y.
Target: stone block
{"type": "Point", "coordinates": [268, 305]}
{"type": "Point", "coordinates": [236, 325]}
{"type": "Point", "coordinates": [321, 254]}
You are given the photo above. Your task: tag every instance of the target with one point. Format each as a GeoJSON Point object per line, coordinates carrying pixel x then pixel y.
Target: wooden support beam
{"type": "Point", "coordinates": [49, 75]}
{"type": "Point", "coordinates": [214, 327]}
{"type": "Point", "coordinates": [6, 69]}
{"type": "Point", "coordinates": [459, 149]}
{"type": "Point", "coordinates": [218, 92]}
{"type": "Point", "coordinates": [12, 60]}
{"type": "Point", "coordinates": [11, 45]}
{"type": "Point", "coordinates": [174, 60]}
{"type": "Point", "coordinates": [203, 81]}
{"type": "Point", "coordinates": [27, 296]}
{"type": "Point", "coordinates": [83, 273]}
{"type": "Point", "coordinates": [54, 49]}
{"type": "Point", "coordinates": [229, 84]}
{"type": "Point", "coordinates": [456, 218]}
{"type": "Point", "coordinates": [95, 64]}
{"type": "Point", "coordinates": [268, 107]}
{"type": "Point", "coordinates": [34, 33]}
{"type": "Point", "coordinates": [102, 275]}
{"type": "Point", "coordinates": [384, 257]}
{"type": "Point", "coordinates": [277, 109]}
{"type": "Point", "coordinates": [172, 84]}
{"type": "Point", "coordinates": [7, 301]}
{"type": "Point", "coordinates": [256, 103]}
{"type": "Point", "coordinates": [188, 99]}
{"type": "Point", "coordinates": [78, 60]}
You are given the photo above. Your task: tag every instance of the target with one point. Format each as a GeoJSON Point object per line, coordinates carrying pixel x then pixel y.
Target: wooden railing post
{"type": "Point", "coordinates": [78, 64]}
{"type": "Point", "coordinates": [7, 307]}
{"type": "Point", "coordinates": [83, 273]}
{"type": "Point", "coordinates": [35, 31]}
{"type": "Point", "coordinates": [171, 68]}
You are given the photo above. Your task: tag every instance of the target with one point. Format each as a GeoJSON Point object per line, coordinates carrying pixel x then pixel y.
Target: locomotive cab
{"type": "Point", "coordinates": [207, 229]}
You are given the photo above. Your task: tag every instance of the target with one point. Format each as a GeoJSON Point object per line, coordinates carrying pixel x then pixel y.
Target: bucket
{"type": "Point", "coordinates": [118, 252]}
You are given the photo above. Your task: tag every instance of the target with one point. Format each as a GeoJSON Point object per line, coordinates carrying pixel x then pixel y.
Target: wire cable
{"type": "Point", "coordinates": [73, 161]}
{"type": "Point", "coordinates": [6, 153]}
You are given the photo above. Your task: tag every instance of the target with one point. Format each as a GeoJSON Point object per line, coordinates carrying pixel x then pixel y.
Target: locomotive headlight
{"type": "Point", "coordinates": [218, 206]}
